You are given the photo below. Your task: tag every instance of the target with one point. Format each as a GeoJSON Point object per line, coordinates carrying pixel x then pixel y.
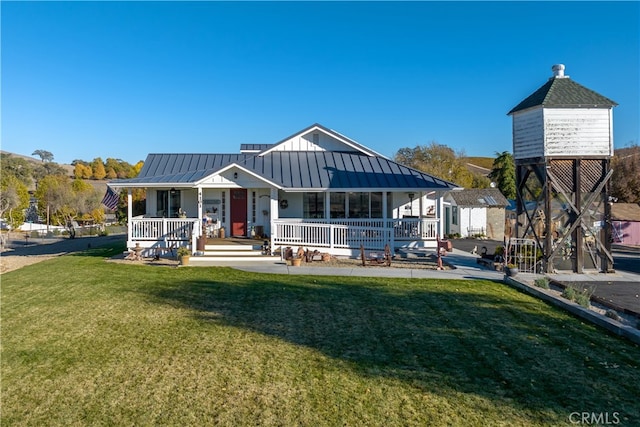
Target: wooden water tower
{"type": "Point", "coordinates": [562, 147]}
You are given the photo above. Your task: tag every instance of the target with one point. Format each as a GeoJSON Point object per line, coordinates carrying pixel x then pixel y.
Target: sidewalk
{"type": "Point", "coordinates": [464, 263]}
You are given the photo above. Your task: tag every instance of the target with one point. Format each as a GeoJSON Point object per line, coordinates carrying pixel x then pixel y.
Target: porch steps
{"type": "Point", "coordinates": [231, 253]}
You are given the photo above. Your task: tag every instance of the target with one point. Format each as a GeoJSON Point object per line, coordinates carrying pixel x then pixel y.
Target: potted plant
{"type": "Point", "coordinates": [184, 255]}
{"type": "Point", "coordinates": [511, 270]}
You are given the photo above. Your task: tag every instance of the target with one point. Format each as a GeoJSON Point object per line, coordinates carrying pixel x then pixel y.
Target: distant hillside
{"type": "Point", "coordinates": [625, 152]}
{"type": "Point", "coordinates": [68, 168]}
{"type": "Point", "coordinates": [483, 162]}
{"type": "Point", "coordinates": [28, 158]}
{"type": "Point", "coordinates": [479, 165]}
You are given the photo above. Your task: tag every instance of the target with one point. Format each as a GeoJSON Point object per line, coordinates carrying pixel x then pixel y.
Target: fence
{"type": "Point", "coordinates": [524, 254]}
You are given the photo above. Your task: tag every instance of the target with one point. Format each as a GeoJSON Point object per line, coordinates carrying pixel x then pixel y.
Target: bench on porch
{"type": "Point", "coordinates": [374, 259]}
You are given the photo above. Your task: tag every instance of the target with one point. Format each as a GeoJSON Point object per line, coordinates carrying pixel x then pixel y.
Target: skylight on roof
{"type": "Point", "coordinates": [491, 200]}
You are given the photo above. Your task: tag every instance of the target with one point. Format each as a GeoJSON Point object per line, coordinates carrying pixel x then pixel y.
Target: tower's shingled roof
{"type": "Point", "coordinates": [562, 92]}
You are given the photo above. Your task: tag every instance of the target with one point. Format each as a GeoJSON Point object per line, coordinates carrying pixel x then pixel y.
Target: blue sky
{"type": "Point", "coordinates": [101, 79]}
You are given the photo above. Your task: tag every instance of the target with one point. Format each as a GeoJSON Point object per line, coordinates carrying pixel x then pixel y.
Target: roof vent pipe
{"type": "Point", "coordinates": [558, 71]}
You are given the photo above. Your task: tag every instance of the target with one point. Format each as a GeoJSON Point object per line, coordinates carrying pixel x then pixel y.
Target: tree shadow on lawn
{"type": "Point", "coordinates": [444, 337]}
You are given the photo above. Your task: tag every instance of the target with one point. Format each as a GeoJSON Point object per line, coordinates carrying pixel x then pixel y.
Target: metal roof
{"type": "Point", "coordinates": [295, 170]}
{"type": "Point", "coordinates": [181, 168]}
{"type": "Point", "coordinates": [254, 148]}
{"type": "Point", "coordinates": [339, 170]}
{"type": "Point", "coordinates": [299, 170]}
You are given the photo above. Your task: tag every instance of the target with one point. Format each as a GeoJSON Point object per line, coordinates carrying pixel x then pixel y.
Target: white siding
{"type": "Point", "coordinates": [578, 132]}
{"type": "Point", "coordinates": [227, 180]}
{"type": "Point", "coordinates": [558, 132]}
{"type": "Point", "coordinates": [306, 143]}
{"type": "Point", "coordinates": [528, 135]}
{"type": "Point", "coordinates": [472, 218]}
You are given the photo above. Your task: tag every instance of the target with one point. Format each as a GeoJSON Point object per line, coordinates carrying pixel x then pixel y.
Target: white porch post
{"type": "Point", "coordinates": [327, 216]}
{"type": "Point", "coordinates": [200, 205]}
{"type": "Point", "coordinates": [273, 208]}
{"type": "Point", "coordinates": [440, 203]}
{"type": "Point", "coordinates": [388, 223]}
{"type": "Point", "coordinates": [129, 214]}
{"type": "Point", "coordinates": [198, 233]}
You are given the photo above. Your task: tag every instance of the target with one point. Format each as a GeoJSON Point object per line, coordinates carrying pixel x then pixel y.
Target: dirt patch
{"type": "Point", "coordinates": [14, 262]}
{"type": "Point", "coordinates": [166, 262]}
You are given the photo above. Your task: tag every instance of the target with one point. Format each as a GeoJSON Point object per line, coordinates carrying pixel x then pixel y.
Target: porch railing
{"type": "Point", "coordinates": [347, 234]}
{"type": "Point", "coordinates": [166, 231]}
{"type": "Point", "coordinates": [351, 233]}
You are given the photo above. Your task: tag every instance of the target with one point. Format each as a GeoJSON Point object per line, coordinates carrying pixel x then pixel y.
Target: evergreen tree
{"type": "Point", "coordinates": [503, 174]}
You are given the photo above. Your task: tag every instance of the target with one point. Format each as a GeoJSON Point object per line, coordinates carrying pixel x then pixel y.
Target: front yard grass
{"type": "Point", "coordinates": [87, 342]}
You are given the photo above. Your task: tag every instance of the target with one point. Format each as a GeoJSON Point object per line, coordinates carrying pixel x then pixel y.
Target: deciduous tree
{"type": "Point", "coordinates": [45, 156]}
{"type": "Point", "coordinates": [437, 160]}
{"type": "Point", "coordinates": [66, 199]}
{"type": "Point", "coordinates": [14, 199]}
{"type": "Point", "coordinates": [625, 181]}
{"type": "Point", "coordinates": [98, 168]}
{"type": "Point", "coordinates": [16, 166]}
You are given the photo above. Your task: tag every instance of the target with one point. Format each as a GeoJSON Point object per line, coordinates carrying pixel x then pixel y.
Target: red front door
{"type": "Point", "coordinates": [239, 212]}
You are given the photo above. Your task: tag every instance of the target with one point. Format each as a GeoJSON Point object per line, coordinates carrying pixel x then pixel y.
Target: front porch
{"type": "Point", "coordinates": [345, 236]}
{"type": "Point", "coordinates": [336, 236]}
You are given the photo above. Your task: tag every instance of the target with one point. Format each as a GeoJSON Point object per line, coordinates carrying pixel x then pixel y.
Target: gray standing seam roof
{"type": "Point", "coordinates": [255, 147]}
{"type": "Point", "coordinates": [291, 169]}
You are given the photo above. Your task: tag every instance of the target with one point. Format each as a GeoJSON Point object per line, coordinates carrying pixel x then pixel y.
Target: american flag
{"type": "Point", "coordinates": [111, 198]}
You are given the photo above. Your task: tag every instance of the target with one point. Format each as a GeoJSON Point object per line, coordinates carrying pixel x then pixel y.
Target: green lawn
{"type": "Point", "coordinates": [86, 342]}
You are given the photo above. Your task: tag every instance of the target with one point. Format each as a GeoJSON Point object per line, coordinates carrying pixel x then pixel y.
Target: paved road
{"type": "Point", "coordinates": [18, 246]}
{"type": "Point", "coordinates": [625, 258]}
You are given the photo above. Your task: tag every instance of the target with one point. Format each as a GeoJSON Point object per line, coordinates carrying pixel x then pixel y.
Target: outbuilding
{"type": "Point", "coordinates": [625, 223]}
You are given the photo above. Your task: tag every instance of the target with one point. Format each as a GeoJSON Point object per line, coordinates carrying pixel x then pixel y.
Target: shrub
{"type": "Point", "coordinates": [183, 250]}
{"type": "Point", "coordinates": [569, 293]}
{"type": "Point", "coordinates": [584, 296]}
{"type": "Point", "coordinates": [580, 296]}
{"type": "Point", "coordinates": [542, 282]}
